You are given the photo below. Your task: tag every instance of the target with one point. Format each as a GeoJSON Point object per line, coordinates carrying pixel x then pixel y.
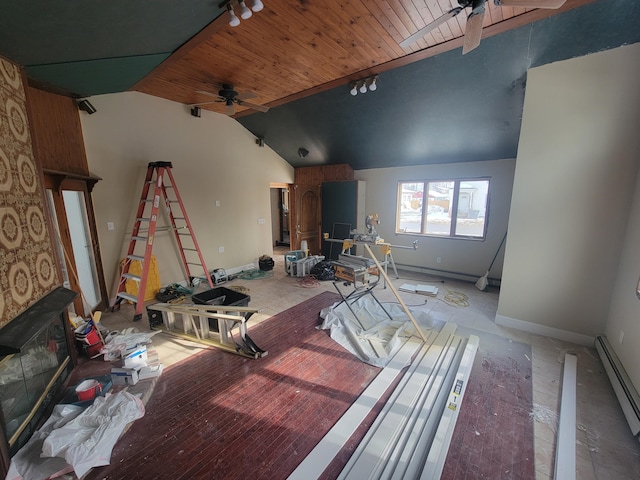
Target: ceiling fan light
{"type": "Point", "coordinates": [354, 90]}
{"type": "Point", "coordinates": [372, 86]}
{"type": "Point", "coordinates": [244, 11]}
{"type": "Point", "coordinates": [234, 21]}
{"type": "Point", "coordinates": [363, 87]}
{"type": "Point", "coordinates": [257, 5]}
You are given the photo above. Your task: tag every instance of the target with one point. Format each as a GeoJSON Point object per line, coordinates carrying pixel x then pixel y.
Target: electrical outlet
{"type": "Point", "coordinates": [110, 226]}
{"type": "Point", "coordinates": [438, 259]}
{"type": "Point", "coordinates": [217, 203]}
{"type": "Point", "coordinates": [621, 337]}
{"type": "Point", "coordinates": [261, 221]}
{"type": "Point", "coordinates": [220, 249]}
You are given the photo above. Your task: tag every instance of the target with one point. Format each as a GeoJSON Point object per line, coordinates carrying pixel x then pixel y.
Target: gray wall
{"type": "Point", "coordinates": [466, 259]}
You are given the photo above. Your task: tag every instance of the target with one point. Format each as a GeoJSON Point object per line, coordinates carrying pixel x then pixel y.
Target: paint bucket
{"type": "Point", "coordinates": [88, 334]}
{"type": "Point", "coordinates": [88, 389]}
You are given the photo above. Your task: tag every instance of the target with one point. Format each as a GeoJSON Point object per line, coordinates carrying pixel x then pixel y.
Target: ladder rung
{"type": "Point", "coordinates": [185, 234]}
{"type": "Point", "coordinates": [189, 250]}
{"type": "Point", "coordinates": [136, 257]}
{"type": "Point", "coordinates": [127, 296]}
{"type": "Point", "coordinates": [142, 219]}
{"type": "Point", "coordinates": [130, 276]}
{"type": "Point", "coordinates": [139, 238]}
{"type": "Point", "coordinates": [178, 218]}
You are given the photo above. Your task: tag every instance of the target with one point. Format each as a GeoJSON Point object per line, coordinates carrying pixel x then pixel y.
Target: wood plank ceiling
{"type": "Point", "coordinates": [291, 49]}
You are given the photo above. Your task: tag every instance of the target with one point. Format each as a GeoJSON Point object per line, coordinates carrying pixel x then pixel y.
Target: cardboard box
{"type": "Point", "coordinates": [150, 371]}
{"type": "Point", "coordinates": [135, 358]}
{"type": "Point", "coordinates": [124, 376]}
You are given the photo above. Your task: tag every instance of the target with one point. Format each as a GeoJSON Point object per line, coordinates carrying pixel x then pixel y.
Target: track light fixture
{"type": "Point", "coordinates": [368, 84]}
{"type": "Point", "coordinates": [245, 12]}
{"type": "Point", "coordinates": [233, 20]}
{"type": "Point", "coordinates": [372, 84]}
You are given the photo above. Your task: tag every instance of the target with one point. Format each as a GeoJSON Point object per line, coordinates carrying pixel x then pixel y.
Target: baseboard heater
{"type": "Point", "coordinates": [621, 383]}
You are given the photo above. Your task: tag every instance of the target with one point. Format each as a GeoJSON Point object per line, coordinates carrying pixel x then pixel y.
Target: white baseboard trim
{"type": "Point", "coordinates": [536, 328]}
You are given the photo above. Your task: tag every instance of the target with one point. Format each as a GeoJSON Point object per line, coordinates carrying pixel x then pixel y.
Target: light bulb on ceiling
{"type": "Point", "coordinates": [354, 90]}
{"type": "Point", "coordinates": [244, 11]}
{"type": "Point", "coordinates": [363, 87]}
{"type": "Point", "coordinates": [233, 20]}
{"type": "Point", "coordinates": [372, 85]}
{"type": "Point", "coordinates": [257, 5]}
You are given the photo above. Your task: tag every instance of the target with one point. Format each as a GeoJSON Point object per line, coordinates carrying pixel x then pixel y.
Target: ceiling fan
{"type": "Point", "coordinates": [473, 32]}
{"type": "Point", "coordinates": [227, 95]}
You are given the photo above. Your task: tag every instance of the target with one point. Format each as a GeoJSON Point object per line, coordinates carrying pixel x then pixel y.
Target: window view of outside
{"type": "Point", "coordinates": [453, 208]}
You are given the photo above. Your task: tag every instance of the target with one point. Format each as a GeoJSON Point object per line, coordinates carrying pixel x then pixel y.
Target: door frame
{"type": "Point", "coordinates": [57, 182]}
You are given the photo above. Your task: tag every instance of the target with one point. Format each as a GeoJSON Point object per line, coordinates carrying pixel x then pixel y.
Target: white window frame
{"type": "Point", "coordinates": [453, 209]}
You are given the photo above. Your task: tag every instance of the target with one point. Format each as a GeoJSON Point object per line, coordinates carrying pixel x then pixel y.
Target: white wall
{"type": "Point", "coordinates": [214, 158]}
{"type": "Point", "coordinates": [470, 258]}
{"type": "Point", "coordinates": [575, 177]}
{"type": "Point", "coordinates": [624, 314]}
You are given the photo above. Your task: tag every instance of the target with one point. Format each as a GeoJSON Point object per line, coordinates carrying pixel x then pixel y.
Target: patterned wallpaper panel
{"type": "Point", "coordinates": [27, 268]}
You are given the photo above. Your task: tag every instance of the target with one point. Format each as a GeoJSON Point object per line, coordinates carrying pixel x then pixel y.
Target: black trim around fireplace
{"type": "Point", "coordinates": [35, 360]}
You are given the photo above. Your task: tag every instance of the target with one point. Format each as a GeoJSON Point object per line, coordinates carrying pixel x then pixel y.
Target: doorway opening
{"type": "Point", "coordinates": [280, 215]}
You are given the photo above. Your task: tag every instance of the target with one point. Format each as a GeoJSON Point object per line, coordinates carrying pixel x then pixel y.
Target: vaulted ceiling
{"type": "Point", "coordinates": [432, 105]}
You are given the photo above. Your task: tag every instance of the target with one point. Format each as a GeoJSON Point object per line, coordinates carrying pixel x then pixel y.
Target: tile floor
{"type": "Point", "coordinates": [605, 447]}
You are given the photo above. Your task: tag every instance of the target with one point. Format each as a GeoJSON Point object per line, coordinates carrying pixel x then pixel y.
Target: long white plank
{"type": "Point", "coordinates": [440, 446]}
{"type": "Point", "coordinates": [321, 456]}
{"type": "Point", "coordinates": [566, 449]}
{"type": "Point", "coordinates": [414, 451]}
{"type": "Point", "coordinates": [375, 449]}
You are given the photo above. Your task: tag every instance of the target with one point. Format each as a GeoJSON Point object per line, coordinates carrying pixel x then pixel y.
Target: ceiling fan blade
{"type": "Point", "coordinates": [259, 108]}
{"type": "Point", "coordinates": [210, 94]}
{"type": "Point", "coordinates": [473, 32]}
{"type": "Point", "coordinates": [230, 109]}
{"type": "Point", "coordinates": [199, 104]}
{"type": "Point", "coordinates": [431, 26]}
{"type": "Point", "coordinates": [531, 3]}
{"type": "Point", "coordinates": [246, 95]}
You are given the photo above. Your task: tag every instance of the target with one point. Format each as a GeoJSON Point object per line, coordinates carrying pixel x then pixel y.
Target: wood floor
{"type": "Point", "coordinates": [219, 415]}
{"type": "Point", "coordinates": [222, 416]}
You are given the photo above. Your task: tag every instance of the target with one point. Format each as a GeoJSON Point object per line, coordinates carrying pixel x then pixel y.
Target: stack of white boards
{"type": "Point", "coordinates": [430, 290]}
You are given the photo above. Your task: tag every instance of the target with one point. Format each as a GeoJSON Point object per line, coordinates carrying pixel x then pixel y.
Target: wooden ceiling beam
{"type": "Point", "coordinates": [495, 29]}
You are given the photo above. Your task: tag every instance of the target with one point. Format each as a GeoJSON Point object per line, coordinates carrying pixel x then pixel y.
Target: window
{"type": "Point", "coordinates": [443, 208]}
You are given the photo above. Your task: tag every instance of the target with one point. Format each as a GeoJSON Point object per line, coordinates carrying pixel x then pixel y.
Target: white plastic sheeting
{"type": "Point", "coordinates": [82, 439]}
{"type": "Point", "coordinates": [373, 337]}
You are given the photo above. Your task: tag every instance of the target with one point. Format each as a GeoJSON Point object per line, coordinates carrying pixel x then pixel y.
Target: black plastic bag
{"type": "Point", "coordinates": [323, 271]}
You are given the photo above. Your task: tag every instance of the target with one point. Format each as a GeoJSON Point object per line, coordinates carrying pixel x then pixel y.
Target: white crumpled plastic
{"type": "Point", "coordinates": [88, 439]}
{"type": "Point", "coordinates": [27, 464]}
{"type": "Point", "coordinates": [75, 438]}
{"type": "Point", "coordinates": [372, 325]}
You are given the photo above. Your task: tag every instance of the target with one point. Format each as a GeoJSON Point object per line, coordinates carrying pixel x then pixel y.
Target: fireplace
{"type": "Point", "coordinates": [35, 360]}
